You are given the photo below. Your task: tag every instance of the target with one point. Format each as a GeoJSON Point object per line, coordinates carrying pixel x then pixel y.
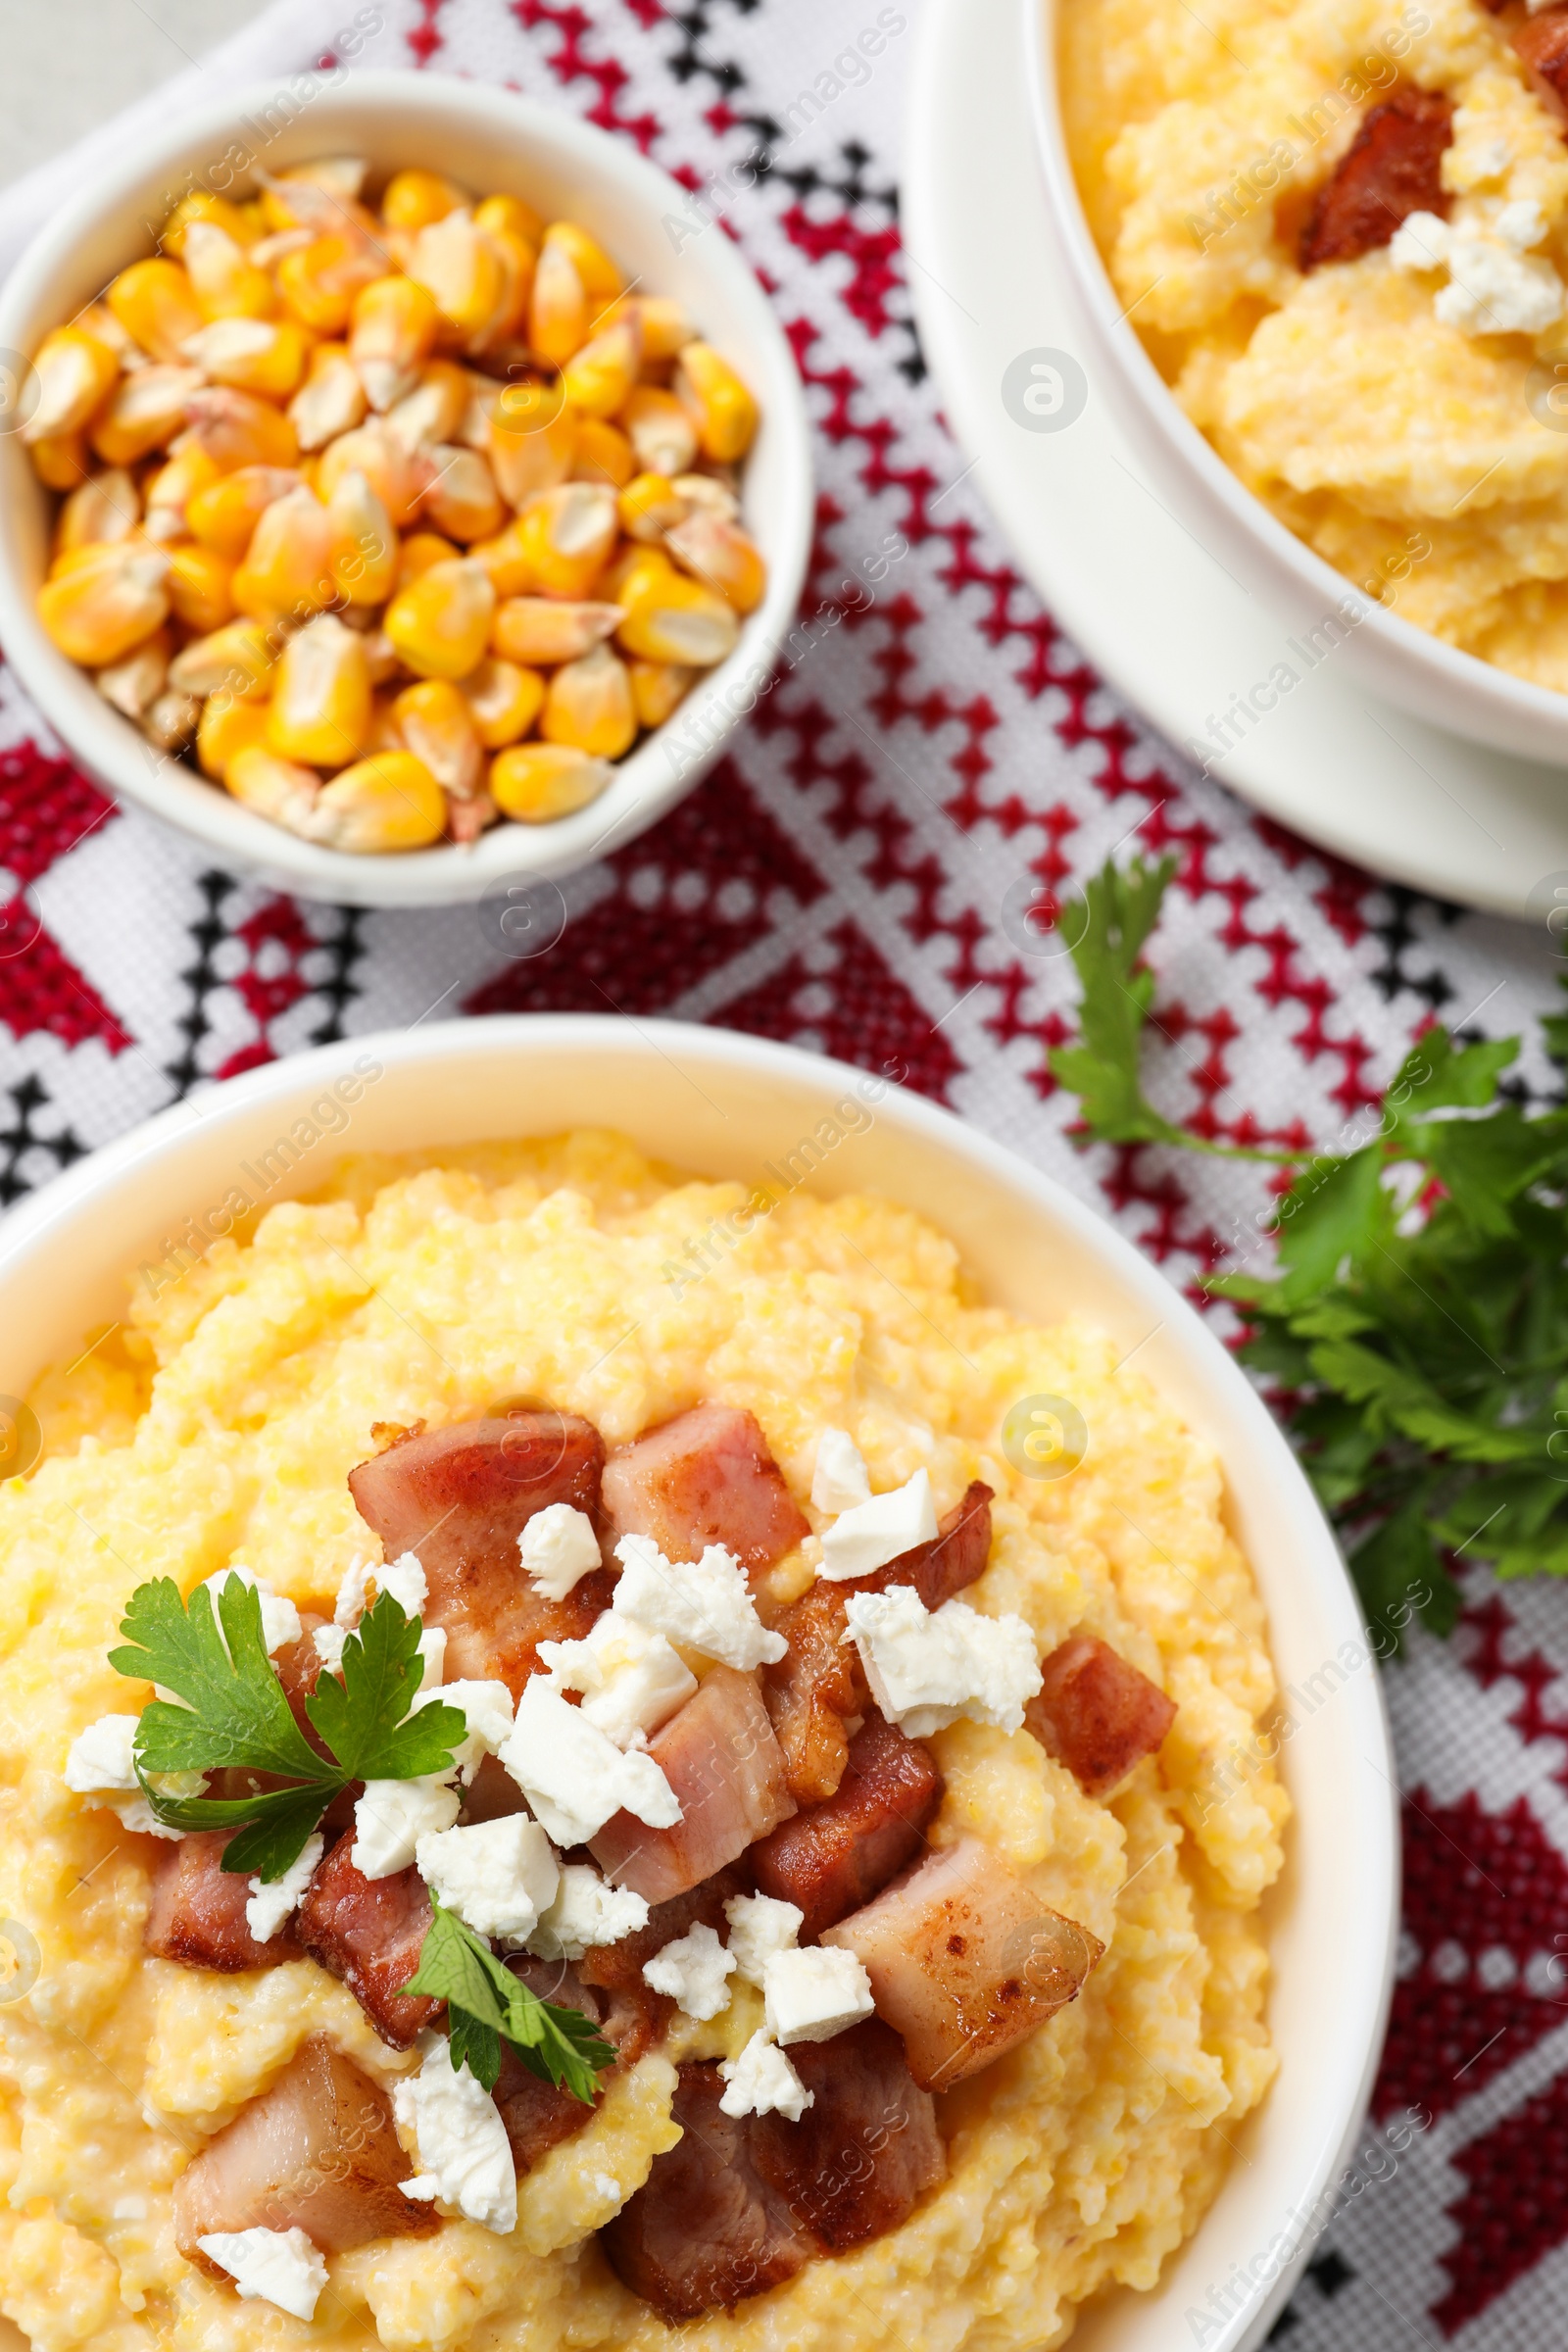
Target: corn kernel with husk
{"type": "Point", "coordinates": [236, 662]}
{"type": "Point", "coordinates": [199, 587]}
{"type": "Point", "coordinates": [252, 355]}
{"type": "Point", "coordinates": [461, 498]}
{"type": "Point", "coordinates": [649, 506]}
{"type": "Point", "coordinates": [472, 428]}
{"type": "Point", "coordinates": [223, 280]}
{"type": "Point", "coordinates": [603, 454]}
{"type": "Point", "coordinates": [107, 507]}
{"type": "Point", "coordinates": [396, 475]}
{"type": "Point", "coordinates": [435, 408]}
{"type": "Point", "coordinates": [672, 619]}
{"type": "Point", "coordinates": [601, 280]}
{"type": "Point", "coordinates": [658, 688]}
{"type": "Point", "coordinates": [589, 705]}
{"type": "Point", "coordinates": [320, 281]}
{"type": "Point", "coordinates": [75, 373]}
{"type": "Point", "coordinates": [288, 566]}
{"type": "Point", "coordinates": [437, 726]}
{"type": "Point", "coordinates": [280, 789]}
{"type": "Point", "coordinates": [558, 311]}
{"type": "Point", "coordinates": [661, 323]}
{"type": "Point", "coordinates": [173, 488]}
{"type": "Point", "coordinates": [460, 266]}
{"type": "Point", "coordinates": [534, 782]}
{"type": "Point", "coordinates": [567, 535]}
{"type": "Point", "coordinates": [364, 544]}
{"type": "Point", "coordinates": [660, 430]}
{"type": "Point", "coordinates": [237, 429]}
{"type": "Point", "coordinates": [203, 205]}
{"type": "Point", "coordinates": [144, 412]}
{"type": "Point", "coordinates": [393, 331]}
{"type": "Point", "coordinates": [414, 199]}
{"type": "Point", "coordinates": [420, 550]}
{"type": "Point", "coordinates": [518, 259]}
{"type": "Point", "coordinates": [222, 514]}
{"type": "Point", "coordinates": [505, 560]}
{"type": "Point", "coordinates": [59, 460]}
{"type": "Point", "coordinates": [389, 801]}
{"type": "Point", "coordinates": [706, 491]}
{"type": "Point", "coordinates": [533, 441]}
{"type": "Point", "coordinates": [599, 378]}
{"type": "Point", "coordinates": [721, 556]}
{"type": "Point", "coordinates": [540, 631]}
{"type": "Point", "coordinates": [156, 305]}
{"type": "Point", "coordinates": [321, 708]}
{"type": "Point", "coordinates": [112, 598]}
{"type": "Point", "coordinates": [171, 722]}
{"type": "Point", "coordinates": [722, 410]}
{"type": "Point", "coordinates": [440, 622]}
{"type": "Point", "coordinates": [330, 401]}
{"type": "Point", "coordinates": [382, 655]}
{"type": "Point", "coordinates": [308, 194]}
{"type": "Point", "coordinates": [133, 685]}
{"type": "Point", "coordinates": [504, 701]}
{"type": "Point", "coordinates": [229, 726]}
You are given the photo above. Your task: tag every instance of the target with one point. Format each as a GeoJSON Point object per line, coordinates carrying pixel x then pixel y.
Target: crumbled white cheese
{"type": "Point", "coordinates": [403, 1578]}
{"type": "Point", "coordinates": [465, 2154]}
{"type": "Point", "coordinates": [632, 1680]}
{"type": "Point", "coordinates": [100, 1766]}
{"type": "Point", "coordinates": [758, 1927]}
{"type": "Point", "coordinates": [841, 1479]}
{"type": "Point", "coordinates": [391, 1818]}
{"type": "Point", "coordinates": [486, 1708]}
{"type": "Point", "coordinates": [280, 1619]}
{"type": "Point", "coordinates": [693, 1970]}
{"type": "Point", "coordinates": [573, 1776]}
{"type": "Point", "coordinates": [271, 1901]}
{"type": "Point", "coordinates": [1495, 287]}
{"type": "Point", "coordinates": [497, 1876]}
{"type": "Point", "coordinates": [433, 1651]}
{"type": "Point", "coordinates": [587, 1912]}
{"type": "Point", "coordinates": [926, 1670]}
{"type": "Point", "coordinates": [556, 1547]}
{"type": "Point", "coordinates": [705, 1604]}
{"type": "Point", "coordinates": [812, 1995]}
{"type": "Point", "coordinates": [762, 2081]}
{"type": "Point", "coordinates": [881, 1530]}
{"type": "Point", "coordinates": [328, 1641]}
{"type": "Point", "coordinates": [270, 2265]}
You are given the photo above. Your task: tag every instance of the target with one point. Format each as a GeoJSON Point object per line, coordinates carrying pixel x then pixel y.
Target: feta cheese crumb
{"type": "Point", "coordinates": [486, 1708]}
{"type": "Point", "coordinates": [271, 1901]}
{"type": "Point", "coordinates": [926, 1669]}
{"type": "Point", "coordinates": [813, 1994]}
{"type": "Point", "coordinates": [632, 1678]}
{"type": "Point", "coordinates": [433, 1651]}
{"type": "Point", "coordinates": [573, 1776]}
{"type": "Point", "coordinates": [464, 2150]}
{"type": "Point", "coordinates": [556, 1547]}
{"type": "Point", "coordinates": [587, 1912]}
{"type": "Point", "coordinates": [1495, 287]}
{"type": "Point", "coordinates": [693, 1970]}
{"type": "Point", "coordinates": [881, 1530]}
{"type": "Point", "coordinates": [403, 1578]}
{"type": "Point", "coordinates": [328, 1641]}
{"type": "Point", "coordinates": [497, 1876]}
{"type": "Point", "coordinates": [705, 1604]}
{"type": "Point", "coordinates": [758, 1927]}
{"type": "Point", "coordinates": [841, 1479]}
{"type": "Point", "coordinates": [391, 1818]}
{"type": "Point", "coordinates": [280, 1619]}
{"type": "Point", "coordinates": [762, 2081]}
{"type": "Point", "coordinates": [100, 1766]}
{"type": "Point", "coordinates": [270, 2265]}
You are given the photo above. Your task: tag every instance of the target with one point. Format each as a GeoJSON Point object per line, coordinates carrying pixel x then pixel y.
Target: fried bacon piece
{"type": "Point", "coordinates": [1543, 43]}
{"type": "Point", "coordinates": [964, 1961]}
{"type": "Point", "coordinates": [459, 1499]}
{"type": "Point", "coordinates": [316, 2152]}
{"type": "Point", "coordinates": [1096, 1714]}
{"type": "Point", "coordinates": [636, 2015]}
{"type": "Point", "coordinates": [1393, 168]}
{"type": "Point", "coordinates": [705, 1478]}
{"type": "Point", "coordinates": [197, 1912]}
{"type": "Point", "coordinates": [367, 1932]}
{"type": "Point", "coordinates": [720, 1755]}
{"type": "Point", "coordinates": [833, 1857]}
{"type": "Point", "coordinates": [866, 2147]}
{"type": "Point", "coordinates": [818, 1681]}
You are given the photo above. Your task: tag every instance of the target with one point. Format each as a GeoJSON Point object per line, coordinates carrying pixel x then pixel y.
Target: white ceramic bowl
{"type": "Point", "coordinates": [1392, 658]}
{"type": "Point", "coordinates": [723, 1104]}
{"type": "Point", "coordinates": [488, 140]}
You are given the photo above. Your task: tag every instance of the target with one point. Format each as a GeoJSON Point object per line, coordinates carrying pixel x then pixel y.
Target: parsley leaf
{"type": "Point", "coordinates": [486, 2005]}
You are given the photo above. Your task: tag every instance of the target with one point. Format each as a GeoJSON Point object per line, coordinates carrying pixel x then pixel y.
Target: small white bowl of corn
{"type": "Point", "coordinates": [390, 497]}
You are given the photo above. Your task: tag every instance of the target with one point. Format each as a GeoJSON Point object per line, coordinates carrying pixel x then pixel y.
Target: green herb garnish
{"type": "Point", "coordinates": [486, 2005]}
{"type": "Point", "coordinates": [234, 1716]}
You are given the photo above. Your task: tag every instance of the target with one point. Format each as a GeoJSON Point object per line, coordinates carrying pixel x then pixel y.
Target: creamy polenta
{"type": "Point", "coordinates": [219, 1422]}
{"type": "Point", "coordinates": [1403, 411]}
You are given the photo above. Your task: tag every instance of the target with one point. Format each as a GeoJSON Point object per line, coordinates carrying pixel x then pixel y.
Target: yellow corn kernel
{"type": "Point", "coordinates": [321, 708]}
{"type": "Point", "coordinates": [503, 702]}
{"type": "Point", "coordinates": [278, 789]}
{"type": "Point", "coordinates": [534, 782]}
{"type": "Point", "coordinates": [533, 441]}
{"type": "Point", "coordinates": [330, 401]}
{"type": "Point", "coordinates": [541, 630]}
{"type": "Point", "coordinates": [434, 409]}
{"type": "Point", "coordinates": [660, 430]}
{"type": "Point", "coordinates": [227, 726]}
{"type": "Point", "coordinates": [75, 374]}
{"type": "Point", "coordinates": [558, 308]}
{"type": "Point", "coordinates": [461, 268]}
{"type": "Point", "coordinates": [503, 558]}
{"type": "Point", "coordinates": [413, 200]}
{"type": "Point", "coordinates": [723, 412]}
{"type": "Point", "coordinates": [440, 622]}
{"type": "Point", "coordinates": [519, 260]}
{"type": "Point", "coordinates": [99, 322]}
{"type": "Point", "coordinates": [601, 280]}
{"type": "Point", "coordinates": [721, 556]}
{"type": "Point", "coordinates": [567, 535]}
{"type": "Point", "coordinates": [667, 329]}
{"type": "Point", "coordinates": [236, 664]}
{"type": "Point", "coordinates": [252, 355]}
{"type": "Point", "coordinates": [199, 587]}
{"type": "Point", "coordinates": [288, 564]}
{"type": "Point", "coordinates": [111, 599]}
{"type": "Point", "coordinates": [107, 507]}
{"type": "Point", "coordinates": [310, 194]}
{"type": "Point", "coordinates": [225, 282]}
{"type": "Point", "coordinates": [387, 802]}
{"type": "Point", "coordinates": [396, 475]}
{"type": "Point", "coordinates": [156, 305]}
{"type": "Point", "coordinates": [420, 550]}
{"type": "Point", "coordinates": [599, 380]}
{"type": "Point", "coordinates": [590, 706]}
{"type": "Point", "coordinates": [513, 218]}
{"type": "Point", "coordinates": [237, 429]}
{"type": "Point", "coordinates": [142, 412]}
{"type": "Point", "coordinates": [394, 327]}
{"type": "Point", "coordinates": [461, 498]}
{"type": "Point", "coordinates": [658, 688]}
{"type": "Point", "coordinates": [171, 487]}
{"type": "Point", "coordinates": [202, 205]}
{"type": "Point", "coordinates": [133, 685]}
{"type": "Point", "coordinates": [604, 454]}
{"type": "Point", "coordinates": [635, 571]}
{"type": "Point", "coordinates": [365, 546]}
{"type": "Point", "coordinates": [674, 619]}
{"type": "Point", "coordinates": [320, 281]}
{"type": "Point", "coordinates": [437, 726]}
{"type": "Point", "coordinates": [649, 506]}
{"type": "Point", "coordinates": [59, 460]}
{"type": "Point", "coordinates": [223, 515]}
{"type": "Point", "coordinates": [714, 497]}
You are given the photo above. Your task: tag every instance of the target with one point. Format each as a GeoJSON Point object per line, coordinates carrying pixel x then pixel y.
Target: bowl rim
{"type": "Point", "coordinates": [662, 769]}
{"type": "Point", "coordinates": [1506, 712]}
{"type": "Point", "coordinates": [68, 1216]}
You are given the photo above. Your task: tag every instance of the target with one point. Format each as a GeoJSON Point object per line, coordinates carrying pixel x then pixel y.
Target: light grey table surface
{"type": "Point", "coordinates": [72, 65]}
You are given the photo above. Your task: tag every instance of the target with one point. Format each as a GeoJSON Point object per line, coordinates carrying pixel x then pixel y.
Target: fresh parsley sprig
{"type": "Point", "coordinates": [486, 2005]}
{"type": "Point", "coordinates": [1416, 1327]}
{"type": "Point", "coordinates": [232, 1716]}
